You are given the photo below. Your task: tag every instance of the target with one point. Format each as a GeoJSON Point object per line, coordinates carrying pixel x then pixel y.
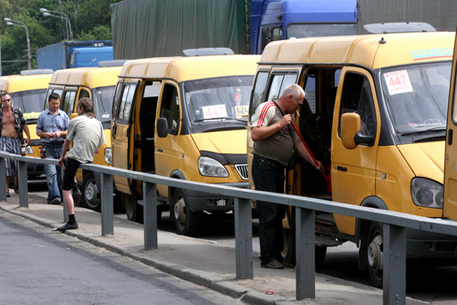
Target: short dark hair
{"type": "Point", "coordinates": [87, 105]}
{"type": "Point", "coordinates": [53, 96]}
{"type": "Point", "coordinates": [5, 93]}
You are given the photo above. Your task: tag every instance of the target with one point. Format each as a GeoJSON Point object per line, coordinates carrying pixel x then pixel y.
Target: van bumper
{"type": "Point", "coordinates": [422, 244]}
{"type": "Point", "coordinates": [35, 169]}
{"type": "Point", "coordinates": [200, 201]}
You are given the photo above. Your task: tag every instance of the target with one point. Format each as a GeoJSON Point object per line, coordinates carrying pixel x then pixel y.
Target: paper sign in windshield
{"type": "Point", "coordinates": [398, 82]}
{"type": "Point", "coordinates": [241, 111]}
{"type": "Point", "coordinates": [215, 111]}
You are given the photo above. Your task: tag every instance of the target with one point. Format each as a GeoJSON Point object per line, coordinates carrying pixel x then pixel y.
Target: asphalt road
{"type": "Point", "coordinates": [38, 266]}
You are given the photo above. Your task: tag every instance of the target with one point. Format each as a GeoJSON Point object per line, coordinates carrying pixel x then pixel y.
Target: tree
{"type": "Point", "coordinates": [90, 20]}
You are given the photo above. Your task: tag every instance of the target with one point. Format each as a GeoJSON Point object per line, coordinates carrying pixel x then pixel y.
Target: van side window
{"type": "Point", "coordinates": [279, 82]}
{"type": "Point", "coordinates": [69, 102]}
{"type": "Point", "coordinates": [357, 97]}
{"type": "Point", "coordinates": [259, 91]}
{"type": "Point", "coordinates": [169, 108]}
{"type": "Point", "coordinates": [126, 102]}
{"type": "Point", "coordinates": [116, 102]}
{"type": "Point", "coordinates": [84, 93]}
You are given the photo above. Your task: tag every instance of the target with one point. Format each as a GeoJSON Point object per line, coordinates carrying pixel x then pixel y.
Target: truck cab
{"type": "Point", "coordinates": [375, 115]}
{"type": "Point", "coordinates": [273, 20]}
{"type": "Point", "coordinates": [184, 118]}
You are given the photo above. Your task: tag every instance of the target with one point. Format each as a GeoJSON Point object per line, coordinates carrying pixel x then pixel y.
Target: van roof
{"type": "Point", "coordinates": [18, 83]}
{"type": "Point", "coordinates": [188, 68]}
{"type": "Point", "coordinates": [373, 51]}
{"type": "Point", "coordinates": [93, 77]}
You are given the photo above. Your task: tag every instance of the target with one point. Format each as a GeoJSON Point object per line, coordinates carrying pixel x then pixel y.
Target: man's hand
{"type": "Point", "coordinates": [61, 163]}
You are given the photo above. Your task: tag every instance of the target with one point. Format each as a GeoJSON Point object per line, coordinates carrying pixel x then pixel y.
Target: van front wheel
{"type": "Point", "coordinates": [91, 195]}
{"type": "Point", "coordinates": [375, 252]}
{"type": "Point", "coordinates": [133, 210]}
{"type": "Point", "coordinates": [186, 221]}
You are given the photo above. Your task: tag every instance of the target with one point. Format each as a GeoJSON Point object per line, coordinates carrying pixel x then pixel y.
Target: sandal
{"type": "Point", "coordinates": [8, 194]}
{"type": "Point", "coordinates": [16, 189]}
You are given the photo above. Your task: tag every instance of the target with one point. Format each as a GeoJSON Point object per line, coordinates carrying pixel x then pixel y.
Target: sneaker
{"type": "Point", "coordinates": [67, 226]}
{"type": "Point", "coordinates": [8, 194]}
{"type": "Point", "coordinates": [76, 194]}
{"type": "Point", "coordinates": [273, 265]}
{"type": "Point", "coordinates": [56, 201]}
{"type": "Point", "coordinates": [287, 264]}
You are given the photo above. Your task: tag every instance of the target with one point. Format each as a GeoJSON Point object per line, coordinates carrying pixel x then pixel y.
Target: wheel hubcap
{"type": "Point", "coordinates": [91, 192]}
{"type": "Point", "coordinates": [375, 253]}
{"type": "Point", "coordinates": [179, 210]}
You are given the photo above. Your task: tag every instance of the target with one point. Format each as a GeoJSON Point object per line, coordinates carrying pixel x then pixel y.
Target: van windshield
{"type": "Point", "coordinates": [103, 102]}
{"type": "Point", "coordinates": [31, 103]}
{"type": "Point", "coordinates": [218, 99]}
{"type": "Point", "coordinates": [417, 96]}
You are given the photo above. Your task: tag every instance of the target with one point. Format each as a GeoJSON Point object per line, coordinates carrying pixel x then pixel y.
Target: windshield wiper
{"type": "Point", "coordinates": [436, 128]}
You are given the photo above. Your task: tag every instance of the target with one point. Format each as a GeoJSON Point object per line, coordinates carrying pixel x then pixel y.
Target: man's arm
{"type": "Point", "coordinates": [27, 132]}
{"type": "Point", "coordinates": [65, 148]}
{"type": "Point", "coordinates": [263, 132]}
{"type": "Point", "coordinates": [300, 147]}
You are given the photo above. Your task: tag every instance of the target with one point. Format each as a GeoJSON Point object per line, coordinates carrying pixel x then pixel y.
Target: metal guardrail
{"type": "Point", "coordinates": [394, 223]}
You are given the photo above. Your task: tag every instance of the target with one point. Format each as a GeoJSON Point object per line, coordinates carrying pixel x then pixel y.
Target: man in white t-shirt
{"type": "Point", "coordinates": [86, 133]}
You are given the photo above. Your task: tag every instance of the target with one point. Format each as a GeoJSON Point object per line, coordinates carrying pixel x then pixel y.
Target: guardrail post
{"type": "Point", "coordinates": [150, 215]}
{"type": "Point", "coordinates": [243, 239]}
{"type": "Point", "coordinates": [22, 181]}
{"type": "Point", "coordinates": [2, 179]}
{"type": "Point", "coordinates": [394, 260]}
{"type": "Point", "coordinates": [305, 253]}
{"type": "Point", "coordinates": [107, 208]}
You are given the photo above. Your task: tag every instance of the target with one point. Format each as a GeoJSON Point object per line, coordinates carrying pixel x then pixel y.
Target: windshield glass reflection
{"type": "Point", "coordinates": [224, 98]}
{"type": "Point", "coordinates": [417, 96]}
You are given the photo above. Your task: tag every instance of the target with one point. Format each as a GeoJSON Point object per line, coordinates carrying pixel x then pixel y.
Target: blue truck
{"type": "Point", "coordinates": [74, 54]}
{"type": "Point", "coordinates": [289, 19]}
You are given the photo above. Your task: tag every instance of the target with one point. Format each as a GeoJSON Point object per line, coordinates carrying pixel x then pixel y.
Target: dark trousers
{"type": "Point", "coordinates": [268, 176]}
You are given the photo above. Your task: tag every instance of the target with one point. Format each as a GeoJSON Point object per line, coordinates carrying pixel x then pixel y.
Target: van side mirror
{"type": "Point", "coordinates": [350, 131]}
{"type": "Point", "coordinates": [162, 126]}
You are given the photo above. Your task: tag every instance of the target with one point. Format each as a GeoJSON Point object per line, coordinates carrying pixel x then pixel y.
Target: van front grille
{"type": "Point", "coordinates": [242, 170]}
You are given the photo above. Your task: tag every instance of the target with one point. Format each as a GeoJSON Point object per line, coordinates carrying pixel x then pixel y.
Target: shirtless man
{"type": "Point", "coordinates": [12, 123]}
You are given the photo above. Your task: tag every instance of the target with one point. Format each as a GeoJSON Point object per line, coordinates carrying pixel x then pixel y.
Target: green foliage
{"type": "Point", "coordinates": [89, 19]}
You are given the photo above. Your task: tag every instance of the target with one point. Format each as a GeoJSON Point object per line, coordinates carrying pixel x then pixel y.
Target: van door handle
{"type": "Point", "coordinates": [449, 137]}
{"type": "Point", "coordinates": [341, 168]}
{"type": "Point", "coordinates": [159, 150]}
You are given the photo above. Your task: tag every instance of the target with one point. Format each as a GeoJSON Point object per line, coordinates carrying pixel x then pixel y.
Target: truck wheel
{"type": "Point", "coordinates": [133, 210]}
{"type": "Point", "coordinates": [186, 221]}
{"type": "Point", "coordinates": [375, 254]}
{"type": "Point", "coordinates": [91, 195]}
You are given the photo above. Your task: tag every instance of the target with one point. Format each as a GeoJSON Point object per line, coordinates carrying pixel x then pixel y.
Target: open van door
{"type": "Point", "coordinates": [450, 164]}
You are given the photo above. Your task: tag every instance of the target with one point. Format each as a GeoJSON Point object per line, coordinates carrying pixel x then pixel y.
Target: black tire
{"type": "Point", "coordinates": [186, 221]}
{"type": "Point", "coordinates": [374, 252]}
{"type": "Point", "coordinates": [288, 251]}
{"type": "Point", "coordinates": [90, 193]}
{"type": "Point", "coordinates": [320, 254]}
{"type": "Point", "coordinates": [133, 210]}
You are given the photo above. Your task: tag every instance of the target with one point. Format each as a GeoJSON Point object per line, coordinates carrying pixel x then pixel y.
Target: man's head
{"type": "Point", "coordinates": [53, 102]}
{"type": "Point", "coordinates": [292, 97]}
{"type": "Point", "coordinates": [6, 99]}
{"type": "Point", "coordinates": [86, 106]}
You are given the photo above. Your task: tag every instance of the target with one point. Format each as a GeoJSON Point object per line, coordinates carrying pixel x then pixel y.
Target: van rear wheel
{"type": "Point", "coordinates": [186, 221]}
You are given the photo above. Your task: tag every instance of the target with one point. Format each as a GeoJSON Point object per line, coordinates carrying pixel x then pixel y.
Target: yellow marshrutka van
{"type": "Point", "coordinates": [98, 84]}
{"type": "Point", "coordinates": [375, 115]}
{"type": "Point", "coordinates": [186, 118]}
{"type": "Point", "coordinates": [28, 91]}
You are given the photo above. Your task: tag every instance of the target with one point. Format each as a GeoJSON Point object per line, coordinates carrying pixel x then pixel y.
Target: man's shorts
{"type": "Point", "coordinates": [71, 167]}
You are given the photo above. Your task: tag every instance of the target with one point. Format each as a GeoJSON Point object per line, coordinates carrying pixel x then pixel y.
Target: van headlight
{"type": "Point", "coordinates": [108, 156]}
{"type": "Point", "coordinates": [211, 168]}
{"type": "Point", "coordinates": [427, 193]}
